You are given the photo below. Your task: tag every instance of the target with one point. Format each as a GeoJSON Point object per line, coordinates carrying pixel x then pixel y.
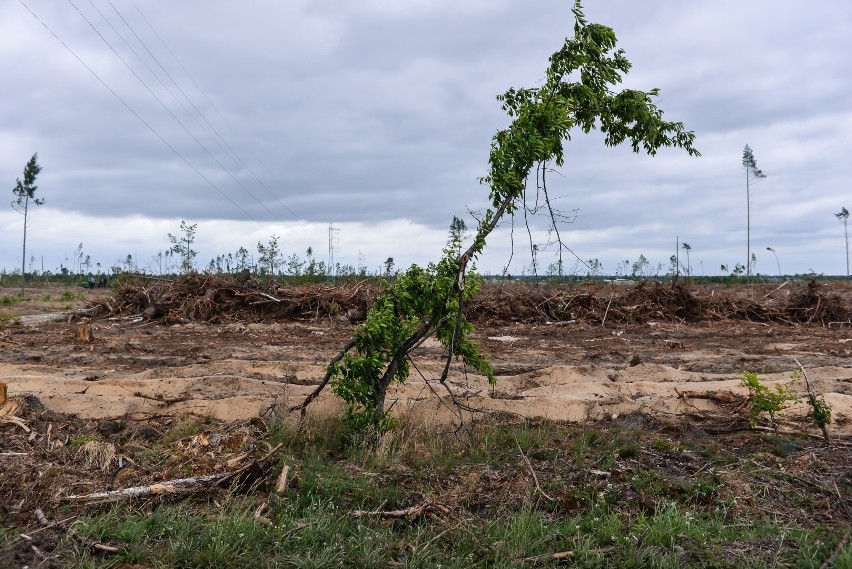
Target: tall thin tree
{"type": "Point", "coordinates": [753, 175]}
{"type": "Point", "coordinates": [24, 194]}
{"type": "Point", "coordinates": [844, 215]}
{"type": "Point", "coordinates": [687, 247]}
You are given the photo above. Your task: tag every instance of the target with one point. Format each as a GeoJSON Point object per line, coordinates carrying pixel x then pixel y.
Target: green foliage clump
{"type": "Point", "coordinates": [820, 411]}
{"type": "Point", "coordinates": [762, 399]}
{"type": "Point", "coordinates": [418, 302]}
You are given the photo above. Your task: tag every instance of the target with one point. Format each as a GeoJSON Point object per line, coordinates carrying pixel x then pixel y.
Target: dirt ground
{"type": "Point", "coordinates": [128, 367]}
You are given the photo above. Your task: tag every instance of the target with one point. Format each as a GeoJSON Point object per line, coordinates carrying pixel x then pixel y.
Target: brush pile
{"type": "Point", "coordinates": [217, 298]}
{"type": "Point", "coordinates": [652, 300]}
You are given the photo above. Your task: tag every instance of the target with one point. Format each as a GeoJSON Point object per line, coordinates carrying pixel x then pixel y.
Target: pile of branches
{"type": "Point", "coordinates": [652, 300]}
{"type": "Point", "coordinates": [219, 298]}
{"type": "Point", "coordinates": [216, 298]}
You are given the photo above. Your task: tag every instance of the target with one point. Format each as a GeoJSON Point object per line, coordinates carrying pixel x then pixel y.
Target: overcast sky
{"type": "Point", "coordinates": [377, 116]}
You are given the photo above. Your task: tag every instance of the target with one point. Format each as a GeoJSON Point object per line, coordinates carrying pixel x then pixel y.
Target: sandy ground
{"type": "Point", "coordinates": [140, 370]}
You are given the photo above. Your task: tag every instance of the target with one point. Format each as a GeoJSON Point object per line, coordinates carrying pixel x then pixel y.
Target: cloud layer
{"type": "Point", "coordinates": [377, 116]}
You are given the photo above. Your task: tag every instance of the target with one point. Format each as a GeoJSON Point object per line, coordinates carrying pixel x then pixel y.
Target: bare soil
{"type": "Point", "coordinates": [233, 366]}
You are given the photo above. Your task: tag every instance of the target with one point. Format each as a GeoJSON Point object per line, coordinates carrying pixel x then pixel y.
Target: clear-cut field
{"type": "Point", "coordinates": [578, 371]}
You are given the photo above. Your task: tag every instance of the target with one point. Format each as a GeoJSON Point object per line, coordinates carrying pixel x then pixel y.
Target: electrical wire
{"type": "Point", "coordinates": [132, 111]}
{"type": "Point", "coordinates": [210, 129]}
{"type": "Point", "coordinates": [168, 110]}
{"type": "Point", "coordinates": [213, 106]}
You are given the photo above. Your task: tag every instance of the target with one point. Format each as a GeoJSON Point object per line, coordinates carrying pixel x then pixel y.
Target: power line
{"type": "Point", "coordinates": [148, 67]}
{"type": "Point", "coordinates": [168, 110]}
{"type": "Point", "coordinates": [210, 127]}
{"type": "Point", "coordinates": [215, 108]}
{"type": "Point", "coordinates": [137, 115]}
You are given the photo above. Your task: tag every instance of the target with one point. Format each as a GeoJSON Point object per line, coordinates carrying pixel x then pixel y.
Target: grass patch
{"type": "Point", "coordinates": [6, 300]}
{"type": "Point", "coordinates": [631, 502]}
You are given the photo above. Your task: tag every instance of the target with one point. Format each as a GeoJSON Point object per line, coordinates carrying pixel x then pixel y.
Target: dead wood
{"type": "Point", "coordinates": [829, 562]}
{"type": "Point", "coordinates": [547, 558]}
{"type": "Point", "coordinates": [167, 486]}
{"type": "Point", "coordinates": [220, 298]}
{"type": "Point", "coordinates": [412, 513]}
{"type": "Point", "coordinates": [535, 478]}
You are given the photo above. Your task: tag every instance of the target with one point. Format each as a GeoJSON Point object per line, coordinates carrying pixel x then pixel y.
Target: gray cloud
{"type": "Point", "coordinates": [379, 110]}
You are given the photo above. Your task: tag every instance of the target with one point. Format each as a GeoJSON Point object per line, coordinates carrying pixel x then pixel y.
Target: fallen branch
{"type": "Point", "coordinates": [768, 294]}
{"type": "Point", "coordinates": [28, 536]}
{"type": "Point", "coordinates": [411, 513]}
{"type": "Point", "coordinates": [105, 548]}
{"type": "Point", "coordinates": [546, 558]}
{"type": "Point", "coordinates": [535, 478]}
{"type": "Point", "coordinates": [829, 562]}
{"type": "Point", "coordinates": [269, 296]}
{"type": "Point", "coordinates": [281, 484]}
{"type": "Point", "coordinates": [304, 404]}
{"type": "Point", "coordinates": [166, 486]}
{"type": "Point", "coordinates": [15, 421]}
{"type": "Point", "coordinates": [606, 312]}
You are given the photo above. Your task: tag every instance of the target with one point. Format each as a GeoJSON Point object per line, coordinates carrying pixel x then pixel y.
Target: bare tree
{"type": "Point", "coordinates": [753, 175]}
{"type": "Point", "coordinates": [844, 215]}
{"type": "Point", "coordinates": [24, 194]}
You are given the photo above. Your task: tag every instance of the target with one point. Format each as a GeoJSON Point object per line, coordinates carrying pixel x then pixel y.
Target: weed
{"type": "Point", "coordinates": [179, 432]}
{"type": "Point", "coordinates": [8, 319]}
{"type": "Point", "coordinates": [78, 441]}
{"type": "Point", "coordinates": [628, 450]}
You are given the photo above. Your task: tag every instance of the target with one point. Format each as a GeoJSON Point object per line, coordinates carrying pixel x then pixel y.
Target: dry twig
{"type": "Point", "coordinates": [535, 478]}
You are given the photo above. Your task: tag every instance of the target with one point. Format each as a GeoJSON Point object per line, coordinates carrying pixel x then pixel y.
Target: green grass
{"type": "Point", "coordinates": [312, 529]}
{"type": "Point", "coordinates": [9, 319]}
{"type": "Point", "coordinates": [675, 522]}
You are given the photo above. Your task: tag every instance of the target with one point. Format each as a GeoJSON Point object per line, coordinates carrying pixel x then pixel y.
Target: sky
{"type": "Point", "coordinates": [262, 118]}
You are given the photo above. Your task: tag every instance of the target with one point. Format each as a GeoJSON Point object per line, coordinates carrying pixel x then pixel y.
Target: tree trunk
{"type": "Point", "coordinates": [846, 234]}
{"type": "Point", "coordinates": [748, 231]}
{"type": "Point", "coordinates": [24, 251]}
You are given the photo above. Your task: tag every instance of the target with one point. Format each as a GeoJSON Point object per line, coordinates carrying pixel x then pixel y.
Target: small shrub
{"type": "Point", "coordinates": [762, 399]}
{"type": "Point", "coordinates": [820, 411]}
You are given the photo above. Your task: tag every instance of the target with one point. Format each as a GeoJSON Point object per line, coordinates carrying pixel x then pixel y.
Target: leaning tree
{"type": "Point", "coordinates": [577, 94]}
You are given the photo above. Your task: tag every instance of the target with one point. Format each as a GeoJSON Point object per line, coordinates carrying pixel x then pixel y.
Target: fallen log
{"type": "Point", "coordinates": [166, 486]}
